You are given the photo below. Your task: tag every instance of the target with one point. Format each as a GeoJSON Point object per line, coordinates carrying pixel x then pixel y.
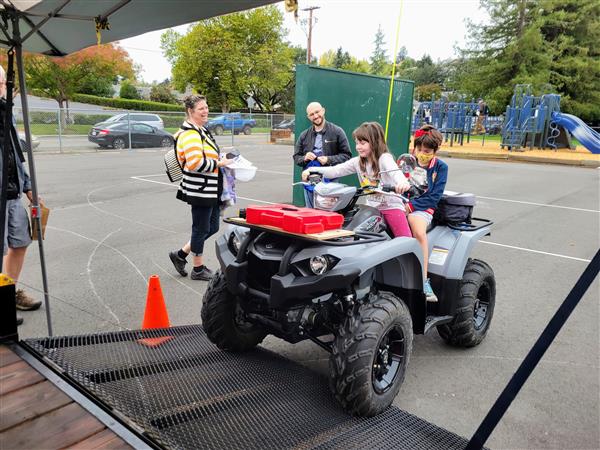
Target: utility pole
{"type": "Point", "coordinates": [310, 26]}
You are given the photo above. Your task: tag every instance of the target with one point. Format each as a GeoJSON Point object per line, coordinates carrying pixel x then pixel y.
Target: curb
{"type": "Point", "coordinates": [520, 157]}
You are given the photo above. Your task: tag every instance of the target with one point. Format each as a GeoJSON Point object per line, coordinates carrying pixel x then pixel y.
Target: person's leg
{"type": "Point", "coordinates": [215, 218]}
{"type": "Point", "coordinates": [12, 262]}
{"type": "Point", "coordinates": [18, 239]}
{"type": "Point", "coordinates": [397, 222]}
{"type": "Point", "coordinates": [201, 227]}
{"type": "Point", "coordinates": [418, 226]}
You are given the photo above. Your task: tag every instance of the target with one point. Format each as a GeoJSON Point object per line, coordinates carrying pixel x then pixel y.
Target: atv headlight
{"type": "Point", "coordinates": [325, 203]}
{"type": "Point", "coordinates": [319, 264]}
{"type": "Point", "coordinates": [234, 243]}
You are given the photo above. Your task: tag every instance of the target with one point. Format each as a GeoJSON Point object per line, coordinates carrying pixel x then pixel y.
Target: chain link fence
{"type": "Point", "coordinates": [65, 130]}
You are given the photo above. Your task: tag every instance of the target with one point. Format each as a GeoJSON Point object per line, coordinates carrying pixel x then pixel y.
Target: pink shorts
{"type": "Point", "coordinates": [397, 222]}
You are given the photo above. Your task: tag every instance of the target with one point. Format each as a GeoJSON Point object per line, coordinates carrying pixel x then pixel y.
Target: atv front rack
{"type": "Point", "coordinates": [338, 237]}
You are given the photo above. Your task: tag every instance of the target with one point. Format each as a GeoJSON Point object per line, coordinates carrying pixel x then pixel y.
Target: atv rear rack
{"type": "Point", "coordinates": [331, 236]}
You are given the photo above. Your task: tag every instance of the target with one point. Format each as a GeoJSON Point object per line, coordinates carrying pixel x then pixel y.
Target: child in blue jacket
{"type": "Point", "coordinates": [420, 210]}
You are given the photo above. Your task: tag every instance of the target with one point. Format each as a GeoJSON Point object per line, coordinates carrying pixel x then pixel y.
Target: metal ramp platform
{"type": "Point", "coordinates": [184, 393]}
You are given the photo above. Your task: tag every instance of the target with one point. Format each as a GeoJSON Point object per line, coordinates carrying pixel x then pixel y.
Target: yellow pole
{"type": "Point", "coordinates": [387, 119]}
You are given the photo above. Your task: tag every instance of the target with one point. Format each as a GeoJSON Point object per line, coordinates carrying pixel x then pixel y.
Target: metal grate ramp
{"type": "Point", "coordinates": [184, 393]}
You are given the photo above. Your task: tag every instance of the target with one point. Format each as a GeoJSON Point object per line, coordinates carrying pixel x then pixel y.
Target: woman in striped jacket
{"type": "Point", "coordinates": [201, 186]}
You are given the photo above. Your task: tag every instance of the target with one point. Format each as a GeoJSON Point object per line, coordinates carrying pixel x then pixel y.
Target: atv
{"type": "Point", "coordinates": [360, 296]}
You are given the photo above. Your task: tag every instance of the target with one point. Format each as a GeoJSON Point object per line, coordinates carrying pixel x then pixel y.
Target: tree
{"type": "Point", "coordinates": [91, 70]}
{"type": "Point", "coordinates": [379, 59]}
{"type": "Point", "coordinates": [161, 92]}
{"type": "Point", "coordinates": [128, 90]}
{"type": "Point", "coordinates": [103, 64]}
{"type": "Point", "coordinates": [231, 57]}
{"type": "Point", "coordinates": [327, 59]}
{"type": "Point", "coordinates": [549, 44]}
{"type": "Point", "coordinates": [402, 54]}
{"type": "Point", "coordinates": [341, 59]}
{"type": "Point", "coordinates": [425, 91]}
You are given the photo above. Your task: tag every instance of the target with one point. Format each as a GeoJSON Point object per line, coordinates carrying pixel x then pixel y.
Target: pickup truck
{"type": "Point", "coordinates": [227, 122]}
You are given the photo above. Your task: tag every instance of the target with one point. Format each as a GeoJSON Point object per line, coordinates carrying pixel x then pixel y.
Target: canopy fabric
{"type": "Point", "coordinates": [72, 24]}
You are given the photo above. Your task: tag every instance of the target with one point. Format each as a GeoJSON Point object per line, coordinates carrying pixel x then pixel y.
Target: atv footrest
{"type": "Point", "coordinates": [432, 321]}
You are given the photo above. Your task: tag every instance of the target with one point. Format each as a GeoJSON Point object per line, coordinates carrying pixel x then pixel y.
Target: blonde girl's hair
{"type": "Point", "coordinates": [371, 132]}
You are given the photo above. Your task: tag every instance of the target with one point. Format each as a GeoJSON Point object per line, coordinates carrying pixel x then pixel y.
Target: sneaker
{"type": "Point", "coordinates": [205, 274]}
{"type": "Point", "coordinates": [25, 302]}
{"type": "Point", "coordinates": [179, 263]}
{"type": "Point", "coordinates": [429, 295]}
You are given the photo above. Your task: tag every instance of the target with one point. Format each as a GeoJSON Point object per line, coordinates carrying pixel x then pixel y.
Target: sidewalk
{"type": "Point", "coordinates": [491, 150]}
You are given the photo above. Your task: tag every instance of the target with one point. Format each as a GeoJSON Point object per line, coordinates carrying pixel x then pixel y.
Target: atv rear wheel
{"type": "Point", "coordinates": [370, 354]}
{"type": "Point", "coordinates": [223, 320]}
{"type": "Point", "coordinates": [475, 306]}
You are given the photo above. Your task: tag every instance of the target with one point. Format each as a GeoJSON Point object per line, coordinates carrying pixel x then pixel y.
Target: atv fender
{"type": "Point", "coordinates": [450, 249]}
{"type": "Point", "coordinates": [396, 262]}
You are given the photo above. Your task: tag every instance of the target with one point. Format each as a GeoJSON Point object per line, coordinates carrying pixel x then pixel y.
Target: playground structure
{"type": "Point", "coordinates": [454, 119]}
{"type": "Point", "coordinates": [532, 121]}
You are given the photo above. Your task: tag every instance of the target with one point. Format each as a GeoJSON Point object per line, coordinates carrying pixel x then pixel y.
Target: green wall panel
{"type": "Point", "coordinates": [350, 99]}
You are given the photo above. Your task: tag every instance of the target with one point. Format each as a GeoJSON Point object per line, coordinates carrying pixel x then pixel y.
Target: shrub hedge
{"type": "Point", "coordinates": [121, 103]}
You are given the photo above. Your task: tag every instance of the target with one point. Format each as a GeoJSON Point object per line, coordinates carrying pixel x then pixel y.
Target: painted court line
{"type": "Point", "coordinates": [545, 205]}
{"type": "Point", "coordinates": [536, 251]}
{"type": "Point", "coordinates": [539, 252]}
{"type": "Point", "coordinates": [539, 204]}
{"type": "Point", "coordinates": [175, 186]}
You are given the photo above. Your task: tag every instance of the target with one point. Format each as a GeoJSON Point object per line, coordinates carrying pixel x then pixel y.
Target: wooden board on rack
{"type": "Point", "coordinates": [329, 234]}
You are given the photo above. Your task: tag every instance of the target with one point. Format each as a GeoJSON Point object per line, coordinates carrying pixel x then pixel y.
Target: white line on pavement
{"type": "Point", "coordinates": [535, 251]}
{"type": "Point", "coordinates": [483, 242]}
{"type": "Point", "coordinates": [539, 204]}
{"type": "Point", "coordinates": [175, 186]}
{"type": "Point", "coordinates": [274, 171]}
{"type": "Point", "coordinates": [545, 205]}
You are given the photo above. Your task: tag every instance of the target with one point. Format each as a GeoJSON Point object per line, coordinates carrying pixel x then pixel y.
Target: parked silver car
{"type": "Point", "coordinates": [153, 120]}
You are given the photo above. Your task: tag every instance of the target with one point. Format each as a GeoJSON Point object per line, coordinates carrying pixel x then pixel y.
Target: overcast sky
{"type": "Point", "coordinates": [427, 26]}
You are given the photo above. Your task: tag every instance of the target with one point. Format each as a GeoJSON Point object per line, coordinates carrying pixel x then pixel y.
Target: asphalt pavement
{"type": "Point", "coordinates": [114, 218]}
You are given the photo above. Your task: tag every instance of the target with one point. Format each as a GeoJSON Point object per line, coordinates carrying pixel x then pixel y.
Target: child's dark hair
{"type": "Point", "coordinates": [428, 136]}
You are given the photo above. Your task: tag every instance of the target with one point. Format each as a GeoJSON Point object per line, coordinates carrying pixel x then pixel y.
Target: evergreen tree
{"type": "Point", "coordinates": [550, 44]}
{"type": "Point", "coordinates": [379, 60]}
{"type": "Point", "coordinates": [341, 59]}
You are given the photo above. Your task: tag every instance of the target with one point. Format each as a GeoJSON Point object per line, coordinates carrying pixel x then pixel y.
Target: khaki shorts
{"type": "Point", "coordinates": [16, 232]}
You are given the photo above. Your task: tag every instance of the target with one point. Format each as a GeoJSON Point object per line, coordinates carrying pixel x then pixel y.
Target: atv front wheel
{"type": "Point", "coordinates": [223, 319]}
{"type": "Point", "coordinates": [370, 354]}
{"type": "Point", "coordinates": [475, 306]}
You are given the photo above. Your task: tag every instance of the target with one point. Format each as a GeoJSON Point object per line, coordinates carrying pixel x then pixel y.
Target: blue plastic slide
{"type": "Point", "coordinates": [589, 138]}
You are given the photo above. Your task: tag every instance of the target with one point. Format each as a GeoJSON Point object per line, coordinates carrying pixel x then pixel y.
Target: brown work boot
{"type": "Point", "coordinates": [25, 302]}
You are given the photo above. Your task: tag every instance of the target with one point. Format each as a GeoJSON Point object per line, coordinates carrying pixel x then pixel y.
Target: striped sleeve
{"type": "Point", "coordinates": [189, 146]}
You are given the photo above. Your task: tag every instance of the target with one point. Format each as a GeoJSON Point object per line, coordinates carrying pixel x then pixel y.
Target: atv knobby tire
{"type": "Point", "coordinates": [222, 321]}
{"type": "Point", "coordinates": [354, 365]}
{"type": "Point", "coordinates": [475, 306]}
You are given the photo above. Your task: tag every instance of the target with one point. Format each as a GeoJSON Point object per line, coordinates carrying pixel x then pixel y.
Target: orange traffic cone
{"type": "Point", "coordinates": [156, 315]}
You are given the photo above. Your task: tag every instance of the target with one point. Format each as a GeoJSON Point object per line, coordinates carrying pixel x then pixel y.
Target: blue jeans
{"type": "Point", "coordinates": [205, 223]}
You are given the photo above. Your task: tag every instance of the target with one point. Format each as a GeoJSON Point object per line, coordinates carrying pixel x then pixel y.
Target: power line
{"type": "Point", "coordinates": [142, 49]}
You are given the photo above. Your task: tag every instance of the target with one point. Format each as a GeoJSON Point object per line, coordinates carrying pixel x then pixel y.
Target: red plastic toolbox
{"type": "Point", "coordinates": [293, 219]}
